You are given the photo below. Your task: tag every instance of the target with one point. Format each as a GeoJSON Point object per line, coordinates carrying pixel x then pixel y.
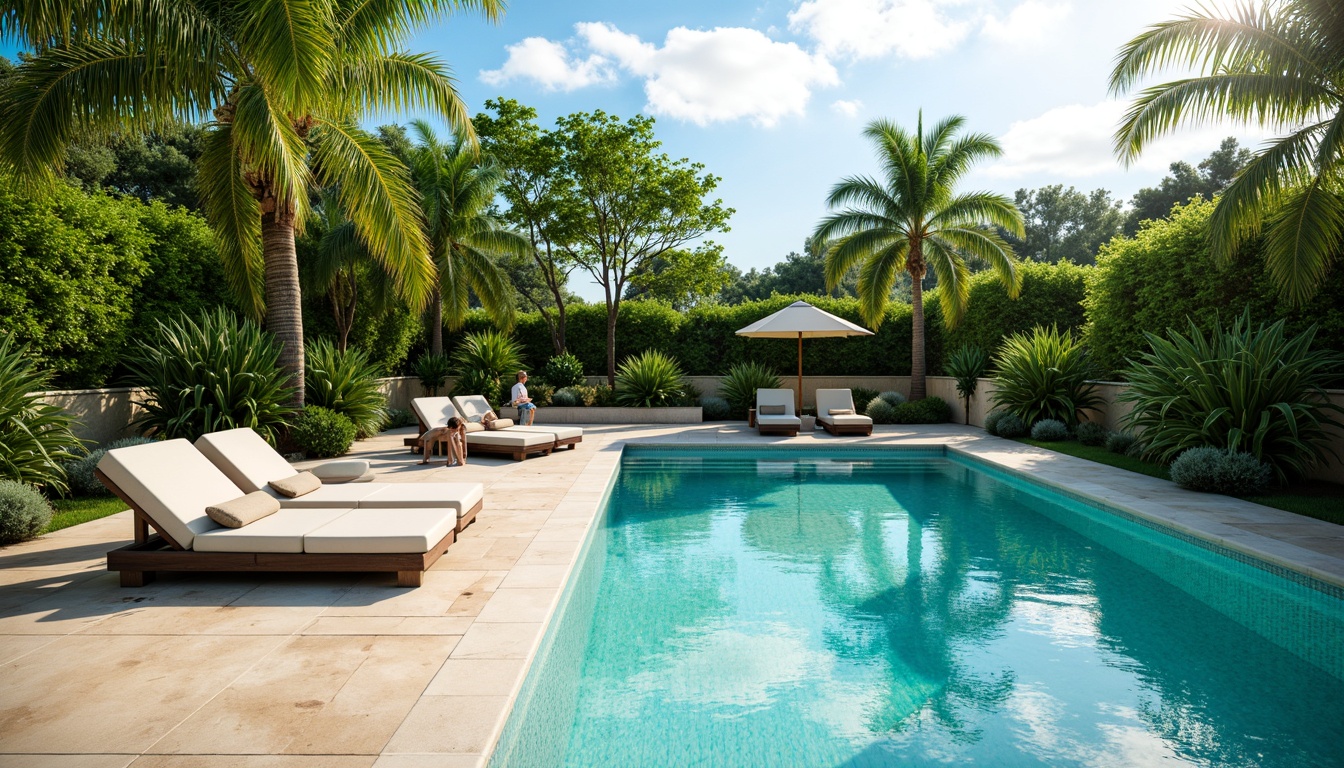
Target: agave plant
{"type": "Point", "coordinates": [1045, 374]}
{"type": "Point", "coordinates": [649, 379]}
{"type": "Point", "coordinates": [432, 370]}
{"type": "Point", "coordinates": [483, 360]}
{"type": "Point", "coordinates": [347, 383]}
{"type": "Point", "coordinates": [1240, 389]}
{"type": "Point", "coordinates": [215, 374]}
{"type": "Point", "coordinates": [35, 437]}
{"type": "Point", "coordinates": [740, 384]}
{"type": "Point", "coordinates": [967, 365]}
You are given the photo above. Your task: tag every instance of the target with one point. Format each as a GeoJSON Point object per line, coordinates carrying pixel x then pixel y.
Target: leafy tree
{"type": "Point", "coordinates": [286, 83]}
{"type": "Point", "coordinates": [681, 278]}
{"type": "Point", "coordinates": [621, 203]}
{"type": "Point", "coordinates": [1212, 176]}
{"type": "Point", "coordinates": [1064, 224]}
{"type": "Point", "coordinates": [913, 220]}
{"type": "Point", "coordinates": [1275, 64]}
{"type": "Point", "coordinates": [530, 159]}
{"type": "Point", "coordinates": [159, 165]}
{"type": "Point", "coordinates": [798, 273]}
{"type": "Point", "coordinates": [457, 188]}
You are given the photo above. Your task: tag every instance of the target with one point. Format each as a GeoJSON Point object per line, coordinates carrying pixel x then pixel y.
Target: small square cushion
{"type": "Point", "coordinates": [244, 510]}
{"type": "Point", "coordinates": [841, 411]}
{"type": "Point", "coordinates": [500, 424]}
{"type": "Point", "coordinates": [770, 410]}
{"type": "Point", "coordinates": [296, 485]}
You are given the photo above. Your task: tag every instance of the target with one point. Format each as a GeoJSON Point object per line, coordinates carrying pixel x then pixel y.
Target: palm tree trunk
{"type": "Point", "coordinates": [284, 301]}
{"type": "Point", "coordinates": [436, 324]}
{"type": "Point", "coordinates": [917, 383]}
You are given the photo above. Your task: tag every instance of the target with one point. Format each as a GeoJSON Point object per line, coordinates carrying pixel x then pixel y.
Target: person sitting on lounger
{"type": "Point", "coordinates": [526, 408]}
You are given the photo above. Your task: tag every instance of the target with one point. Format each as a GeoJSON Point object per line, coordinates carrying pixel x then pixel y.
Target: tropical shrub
{"type": "Point", "coordinates": [1214, 470]}
{"type": "Point", "coordinates": [1049, 430]}
{"type": "Point", "coordinates": [432, 370]}
{"type": "Point", "coordinates": [967, 365]}
{"type": "Point", "coordinates": [79, 472]}
{"type": "Point", "coordinates": [24, 513]}
{"type": "Point", "coordinates": [600, 396]}
{"type": "Point", "coordinates": [881, 411]}
{"type": "Point", "coordinates": [1122, 443]}
{"type": "Point", "coordinates": [715, 408]}
{"type": "Point", "coordinates": [930, 410]}
{"type": "Point", "coordinates": [1011, 426]}
{"type": "Point", "coordinates": [892, 398]}
{"type": "Point", "coordinates": [564, 370]}
{"type": "Point", "coordinates": [1243, 388]}
{"type": "Point", "coordinates": [650, 379]}
{"type": "Point", "coordinates": [216, 374]}
{"type": "Point", "coordinates": [345, 382]}
{"type": "Point", "coordinates": [397, 418]}
{"type": "Point", "coordinates": [740, 384]}
{"type": "Point", "coordinates": [1045, 374]}
{"type": "Point", "coordinates": [484, 362]}
{"type": "Point", "coordinates": [34, 437]}
{"type": "Point", "coordinates": [1091, 433]}
{"type": "Point", "coordinates": [323, 433]}
{"type": "Point", "coordinates": [1052, 294]}
{"type": "Point", "coordinates": [862, 397]}
{"type": "Point", "coordinates": [992, 421]}
{"type": "Point", "coordinates": [568, 397]}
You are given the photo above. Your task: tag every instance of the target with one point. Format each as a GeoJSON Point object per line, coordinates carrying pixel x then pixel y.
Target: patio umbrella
{"type": "Point", "coordinates": [800, 320]}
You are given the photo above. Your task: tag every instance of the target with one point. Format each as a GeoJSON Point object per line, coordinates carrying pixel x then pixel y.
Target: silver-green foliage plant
{"type": "Point", "coordinates": [1011, 426]}
{"type": "Point", "coordinates": [207, 376]}
{"type": "Point", "coordinates": [714, 408]}
{"type": "Point", "coordinates": [1243, 388]}
{"type": "Point", "coordinates": [1045, 374]}
{"type": "Point", "coordinates": [1091, 433]}
{"type": "Point", "coordinates": [485, 361]}
{"type": "Point", "coordinates": [35, 437]}
{"type": "Point", "coordinates": [79, 472]}
{"type": "Point", "coordinates": [347, 383]}
{"type": "Point", "coordinates": [1214, 470]}
{"type": "Point", "coordinates": [649, 379]}
{"type": "Point", "coordinates": [24, 513]}
{"type": "Point", "coordinates": [862, 397]}
{"type": "Point", "coordinates": [892, 398]}
{"type": "Point", "coordinates": [1049, 430]}
{"type": "Point", "coordinates": [992, 421]}
{"type": "Point", "coordinates": [432, 370]}
{"type": "Point", "coordinates": [740, 384]}
{"type": "Point", "coordinates": [1121, 442]}
{"type": "Point", "coordinates": [881, 411]}
{"type": "Point", "coordinates": [564, 370]}
{"type": "Point", "coordinates": [967, 365]}
{"type": "Point", "coordinates": [323, 433]}
{"type": "Point", "coordinates": [567, 398]}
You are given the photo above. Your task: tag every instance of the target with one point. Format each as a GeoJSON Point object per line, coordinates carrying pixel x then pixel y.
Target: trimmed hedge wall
{"type": "Point", "coordinates": [1052, 294]}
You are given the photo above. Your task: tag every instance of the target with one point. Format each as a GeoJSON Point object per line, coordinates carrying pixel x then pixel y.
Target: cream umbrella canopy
{"type": "Point", "coordinates": [802, 320]}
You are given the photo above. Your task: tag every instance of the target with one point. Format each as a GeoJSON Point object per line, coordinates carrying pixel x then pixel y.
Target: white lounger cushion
{"type": "Point", "coordinates": [509, 438]}
{"type": "Point", "coordinates": [247, 459]}
{"type": "Point", "coordinates": [560, 433]}
{"type": "Point", "coordinates": [782, 397]}
{"type": "Point", "coordinates": [434, 411]}
{"type": "Point", "coordinates": [472, 407]}
{"type": "Point", "coordinates": [847, 421]}
{"type": "Point", "coordinates": [346, 495]}
{"type": "Point", "coordinates": [281, 533]}
{"type": "Point", "coordinates": [460, 497]}
{"type": "Point", "coordinates": [829, 399]}
{"type": "Point", "coordinates": [779, 421]}
{"type": "Point", "coordinates": [173, 483]}
{"type": "Point", "coordinates": [381, 531]}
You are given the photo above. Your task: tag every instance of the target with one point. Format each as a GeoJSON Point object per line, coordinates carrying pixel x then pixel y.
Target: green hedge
{"type": "Point", "coordinates": [1052, 294]}
{"type": "Point", "coordinates": [1166, 274]}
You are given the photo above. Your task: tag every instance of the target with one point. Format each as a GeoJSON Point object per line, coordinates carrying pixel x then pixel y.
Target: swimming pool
{"type": "Point", "coordinates": [748, 607]}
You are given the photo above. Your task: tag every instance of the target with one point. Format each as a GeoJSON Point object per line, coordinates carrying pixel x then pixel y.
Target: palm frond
{"type": "Point", "coordinates": [974, 208]}
{"type": "Point", "coordinates": [288, 43]}
{"type": "Point", "coordinates": [235, 217]}
{"type": "Point", "coordinates": [877, 276]}
{"type": "Point", "coordinates": [1303, 240]}
{"type": "Point", "coordinates": [954, 279]}
{"type": "Point", "coordinates": [405, 81]}
{"type": "Point", "coordinates": [1243, 206]}
{"type": "Point", "coordinates": [271, 147]}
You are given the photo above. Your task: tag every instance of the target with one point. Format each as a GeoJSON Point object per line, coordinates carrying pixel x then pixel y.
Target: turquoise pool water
{"type": "Point", "coordinates": [768, 608]}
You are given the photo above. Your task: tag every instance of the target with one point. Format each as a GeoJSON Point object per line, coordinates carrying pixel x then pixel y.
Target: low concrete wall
{"type": "Point", "coordinates": [101, 415]}
{"type": "Point", "coordinates": [594, 415]}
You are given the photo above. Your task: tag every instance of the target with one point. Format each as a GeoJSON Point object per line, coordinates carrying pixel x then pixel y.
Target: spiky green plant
{"type": "Point", "coordinates": [347, 383]}
{"type": "Point", "coordinates": [649, 379]}
{"type": "Point", "coordinates": [35, 437]}
{"type": "Point", "coordinates": [1044, 374]}
{"type": "Point", "coordinates": [220, 372]}
{"type": "Point", "coordinates": [1270, 64]}
{"type": "Point", "coordinates": [433, 370]}
{"type": "Point", "coordinates": [1242, 389]}
{"type": "Point", "coordinates": [967, 365]}
{"type": "Point", "coordinates": [484, 361]}
{"type": "Point", "coordinates": [740, 384]}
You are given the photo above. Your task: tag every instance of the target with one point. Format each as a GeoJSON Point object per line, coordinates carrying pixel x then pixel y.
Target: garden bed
{"type": "Point", "coordinates": [612, 415]}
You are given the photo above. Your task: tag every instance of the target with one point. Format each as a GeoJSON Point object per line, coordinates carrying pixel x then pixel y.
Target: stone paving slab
{"type": "Point", "coordinates": [291, 671]}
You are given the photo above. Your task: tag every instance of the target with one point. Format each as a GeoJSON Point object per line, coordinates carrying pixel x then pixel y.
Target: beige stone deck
{"type": "Point", "coordinates": [349, 670]}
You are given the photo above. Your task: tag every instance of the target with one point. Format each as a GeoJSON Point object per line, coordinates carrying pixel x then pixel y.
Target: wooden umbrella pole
{"type": "Point", "coordinates": [800, 375]}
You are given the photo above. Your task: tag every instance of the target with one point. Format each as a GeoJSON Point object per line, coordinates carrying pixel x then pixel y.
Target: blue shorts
{"type": "Point", "coordinates": [525, 407]}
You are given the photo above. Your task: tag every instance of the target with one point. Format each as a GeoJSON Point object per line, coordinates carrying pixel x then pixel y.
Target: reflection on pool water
{"type": "Point", "coordinates": [759, 608]}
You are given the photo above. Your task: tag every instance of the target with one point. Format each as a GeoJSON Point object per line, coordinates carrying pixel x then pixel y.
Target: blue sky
{"type": "Point", "coordinates": [772, 96]}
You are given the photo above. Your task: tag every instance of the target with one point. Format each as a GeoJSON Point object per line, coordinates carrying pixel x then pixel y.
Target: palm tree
{"type": "Point", "coordinates": [913, 220]}
{"type": "Point", "coordinates": [339, 265]}
{"type": "Point", "coordinates": [1278, 64]}
{"type": "Point", "coordinates": [457, 189]}
{"type": "Point", "coordinates": [285, 82]}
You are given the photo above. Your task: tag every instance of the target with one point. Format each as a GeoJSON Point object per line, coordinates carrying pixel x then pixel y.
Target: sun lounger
{"type": "Point", "coordinates": [841, 424]}
{"type": "Point", "coordinates": [435, 412]}
{"type": "Point", "coordinates": [474, 407]}
{"type": "Point", "coordinates": [786, 423]}
{"type": "Point", "coordinates": [169, 484]}
{"type": "Point", "coordinates": [246, 459]}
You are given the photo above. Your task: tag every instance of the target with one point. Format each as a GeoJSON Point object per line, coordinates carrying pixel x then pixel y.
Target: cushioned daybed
{"type": "Point", "coordinates": [169, 485]}
{"type": "Point", "coordinates": [474, 407]}
{"type": "Point", "coordinates": [774, 412]}
{"type": "Point", "coordinates": [435, 412]}
{"type": "Point", "coordinates": [252, 464]}
{"type": "Point", "coordinates": [835, 412]}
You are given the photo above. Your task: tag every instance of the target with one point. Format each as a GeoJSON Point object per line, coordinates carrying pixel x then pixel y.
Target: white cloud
{"type": "Point", "coordinates": [703, 76]}
{"type": "Point", "coordinates": [1075, 141]}
{"type": "Point", "coordinates": [865, 29]}
{"type": "Point", "coordinates": [1030, 22]}
{"type": "Point", "coordinates": [847, 108]}
{"type": "Point", "coordinates": [550, 65]}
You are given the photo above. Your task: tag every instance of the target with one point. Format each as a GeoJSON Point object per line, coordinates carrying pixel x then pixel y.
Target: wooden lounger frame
{"type": "Point", "coordinates": [847, 429]}
{"type": "Point", "coordinates": [788, 430]}
{"type": "Point", "coordinates": [138, 563]}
